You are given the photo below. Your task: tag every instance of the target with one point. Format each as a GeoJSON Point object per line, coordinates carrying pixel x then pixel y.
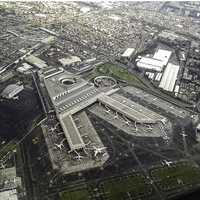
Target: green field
{"type": "Point", "coordinates": [113, 189]}
{"type": "Point", "coordinates": [119, 73]}
{"type": "Point", "coordinates": [116, 72]}
{"type": "Point", "coordinates": [81, 194]}
{"type": "Point", "coordinates": [121, 188]}
{"type": "Point", "coordinates": [180, 175]}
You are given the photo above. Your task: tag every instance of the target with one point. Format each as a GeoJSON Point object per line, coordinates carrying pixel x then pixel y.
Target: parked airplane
{"type": "Point", "coordinates": [79, 157]}
{"type": "Point", "coordinates": [59, 146]}
{"type": "Point", "coordinates": [184, 135]}
{"type": "Point", "coordinates": [107, 111]}
{"type": "Point", "coordinates": [2, 166]}
{"type": "Point", "coordinates": [15, 98]}
{"type": "Point", "coordinates": [52, 129]}
{"type": "Point", "coordinates": [168, 163]}
{"type": "Point", "coordinates": [78, 127]}
{"type": "Point", "coordinates": [98, 150]}
{"type": "Point", "coordinates": [127, 123]}
{"type": "Point", "coordinates": [135, 124]}
{"type": "Point", "coordinates": [116, 116]}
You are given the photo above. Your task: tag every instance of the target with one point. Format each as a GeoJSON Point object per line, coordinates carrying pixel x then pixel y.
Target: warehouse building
{"type": "Point", "coordinates": [11, 90]}
{"type": "Point", "coordinates": [150, 64]}
{"type": "Point", "coordinates": [69, 61]}
{"type": "Point", "coordinates": [163, 55]}
{"type": "Point", "coordinates": [128, 53]}
{"type": "Point", "coordinates": [36, 62]}
{"type": "Point", "coordinates": [169, 77]}
{"type": "Point", "coordinates": [157, 62]}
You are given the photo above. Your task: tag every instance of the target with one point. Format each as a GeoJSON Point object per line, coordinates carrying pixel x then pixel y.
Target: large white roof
{"type": "Point", "coordinates": [70, 60]}
{"type": "Point", "coordinates": [128, 52]}
{"type": "Point", "coordinates": [34, 60]}
{"type": "Point", "coordinates": [9, 195]}
{"type": "Point", "coordinates": [169, 77]}
{"type": "Point", "coordinates": [10, 89]}
{"type": "Point", "coordinates": [163, 55]}
{"type": "Point", "coordinates": [150, 63]}
{"type": "Point", "coordinates": [157, 62]}
{"type": "Point", "coordinates": [71, 132]}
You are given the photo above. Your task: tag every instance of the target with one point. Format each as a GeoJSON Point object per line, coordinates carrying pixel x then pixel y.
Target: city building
{"type": "Point", "coordinates": [6, 75]}
{"type": "Point", "coordinates": [150, 64]}
{"type": "Point", "coordinates": [163, 55]}
{"type": "Point", "coordinates": [171, 37]}
{"type": "Point", "coordinates": [36, 62]}
{"type": "Point", "coordinates": [128, 53]}
{"type": "Point", "coordinates": [169, 77]}
{"type": "Point", "coordinates": [50, 71]}
{"type": "Point", "coordinates": [9, 195]}
{"type": "Point", "coordinates": [12, 90]}
{"type": "Point", "coordinates": [71, 60]}
{"type": "Point", "coordinates": [25, 68]}
{"type": "Point", "coordinates": [155, 63]}
{"type": "Point", "coordinates": [9, 182]}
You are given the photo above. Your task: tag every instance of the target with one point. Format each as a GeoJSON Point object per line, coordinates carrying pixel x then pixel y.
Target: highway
{"type": "Point", "coordinates": [39, 93]}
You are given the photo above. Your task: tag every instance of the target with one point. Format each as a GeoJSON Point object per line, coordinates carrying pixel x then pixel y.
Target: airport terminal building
{"type": "Point", "coordinates": [70, 95]}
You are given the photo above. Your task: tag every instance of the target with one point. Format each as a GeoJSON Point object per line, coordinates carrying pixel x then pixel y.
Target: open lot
{"type": "Point", "coordinates": [176, 176]}
{"type": "Point", "coordinates": [81, 194]}
{"type": "Point", "coordinates": [132, 186]}
{"type": "Point", "coordinates": [118, 73]}
{"type": "Point", "coordinates": [127, 187]}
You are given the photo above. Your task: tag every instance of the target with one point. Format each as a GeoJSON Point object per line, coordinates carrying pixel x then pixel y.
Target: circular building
{"type": "Point", "coordinates": [105, 81]}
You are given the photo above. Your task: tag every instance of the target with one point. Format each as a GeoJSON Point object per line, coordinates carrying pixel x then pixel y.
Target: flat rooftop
{"type": "Point", "coordinates": [150, 63]}
{"type": "Point", "coordinates": [128, 52]}
{"type": "Point", "coordinates": [133, 111]}
{"type": "Point", "coordinates": [138, 107]}
{"type": "Point", "coordinates": [169, 77]}
{"type": "Point", "coordinates": [71, 132]}
{"type": "Point", "coordinates": [63, 86]}
{"type": "Point", "coordinates": [37, 62]}
{"type": "Point", "coordinates": [78, 98]}
{"type": "Point", "coordinates": [9, 195]}
{"type": "Point", "coordinates": [134, 129]}
{"type": "Point", "coordinates": [65, 160]}
{"type": "Point", "coordinates": [51, 71]}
